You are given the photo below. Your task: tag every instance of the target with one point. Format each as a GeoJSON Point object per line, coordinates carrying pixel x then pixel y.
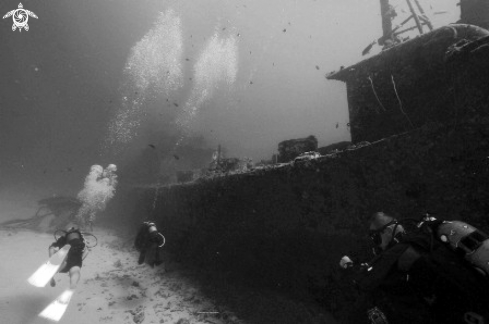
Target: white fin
{"type": "Point", "coordinates": [58, 307]}
{"type": "Point", "coordinates": [41, 277]}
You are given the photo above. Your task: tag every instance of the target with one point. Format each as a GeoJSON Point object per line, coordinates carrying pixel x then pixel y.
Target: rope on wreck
{"type": "Point", "coordinates": [400, 103]}
{"type": "Point", "coordinates": [375, 93]}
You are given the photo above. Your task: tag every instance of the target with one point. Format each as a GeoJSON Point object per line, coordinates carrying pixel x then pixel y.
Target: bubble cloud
{"type": "Point", "coordinates": [98, 190]}
{"type": "Point", "coordinates": [217, 64]}
{"type": "Point", "coordinates": [154, 66]}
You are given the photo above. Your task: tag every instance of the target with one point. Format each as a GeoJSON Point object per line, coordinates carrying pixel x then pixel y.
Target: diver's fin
{"type": "Point", "coordinates": [41, 277]}
{"type": "Point", "coordinates": [57, 308]}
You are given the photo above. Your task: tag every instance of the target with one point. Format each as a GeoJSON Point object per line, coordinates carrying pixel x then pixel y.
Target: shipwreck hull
{"type": "Point", "coordinates": [422, 105]}
{"type": "Point", "coordinates": [436, 77]}
{"type": "Point", "coordinates": [286, 227]}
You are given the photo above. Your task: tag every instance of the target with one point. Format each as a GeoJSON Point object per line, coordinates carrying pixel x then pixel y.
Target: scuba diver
{"type": "Point", "coordinates": [424, 276]}
{"type": "Point", "coordinates": [77, 253]}
{"type": "Point", "coordinates": [149, 238]}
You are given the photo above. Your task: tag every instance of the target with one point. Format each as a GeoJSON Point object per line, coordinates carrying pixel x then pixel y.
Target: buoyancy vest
{"type": "Point", "coordinates": [75, 239]}
{"type": "Point", "coordinates": [435, 275]}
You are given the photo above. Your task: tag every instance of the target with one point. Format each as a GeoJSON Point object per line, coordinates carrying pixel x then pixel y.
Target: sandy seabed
{"type": "Point", "coordinates": [113, 287]}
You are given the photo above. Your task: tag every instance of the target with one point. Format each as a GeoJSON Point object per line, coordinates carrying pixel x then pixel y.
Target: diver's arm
{"type": "Point", "coordinates": [52, 250]}
{"type": "Point", "coordinates": [56, 246]}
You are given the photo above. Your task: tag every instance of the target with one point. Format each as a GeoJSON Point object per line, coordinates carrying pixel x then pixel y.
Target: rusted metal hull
{"type": "Point", "coordinates": [420, 81]}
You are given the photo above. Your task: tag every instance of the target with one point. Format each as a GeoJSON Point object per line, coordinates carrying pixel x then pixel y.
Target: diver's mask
{"type": "Point", "coordinates": [376, 236]}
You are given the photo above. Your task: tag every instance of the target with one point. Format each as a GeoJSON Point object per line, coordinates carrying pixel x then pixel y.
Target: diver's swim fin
{"type": "Point", "coordinates": [41, 277]}
{"type": "Point", "coordinates": [58, 307]}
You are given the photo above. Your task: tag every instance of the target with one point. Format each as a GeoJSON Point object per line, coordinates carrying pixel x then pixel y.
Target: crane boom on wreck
{"type": "Point", "coordinates": [387, 12]}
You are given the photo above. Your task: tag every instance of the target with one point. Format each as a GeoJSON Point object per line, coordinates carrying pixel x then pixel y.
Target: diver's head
{"type": "Point", "coordinates": [71, 227]}
{"type": "Point", "coordinates": [111, 168]}
{"type": "Point", "coordinates": [384, 230]}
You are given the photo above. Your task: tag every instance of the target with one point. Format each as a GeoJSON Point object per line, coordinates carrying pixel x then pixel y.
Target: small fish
{"type": "Point", "coordinates": [285, 29]}
{"type": "Point", "coordinates": [251, 82]}
{"type": "Point", "coordinates": [224, 28]}
{"type": "Point", "coordinates": [368, 48]}
{"type": "Point", "coordinates": [176, 157]}
{"type": "Point", "coordinates": [187, 59]}
{"type": "Point", "coordinates": [317, 67]}
{"type": "Point", "coordinates": [337, 124]}
{"type": "Point", "coordinates": [175, 104]}
{"type": "Point", "coordinates": [152, 146]}
{"type": "Point", "coordinates": [238, 34]}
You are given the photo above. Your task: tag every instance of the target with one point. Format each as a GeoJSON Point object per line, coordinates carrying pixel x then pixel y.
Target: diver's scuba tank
{"type": "Point", "coordinates": [466, 240]}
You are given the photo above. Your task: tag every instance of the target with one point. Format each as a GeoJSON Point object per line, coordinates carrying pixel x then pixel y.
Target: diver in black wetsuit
{"type": "Point", "coordinates": [148, 238]}
{"type": "Point", "coordinates": [415, 278]}
{"type": "Point", "coordinates": [78, 252]}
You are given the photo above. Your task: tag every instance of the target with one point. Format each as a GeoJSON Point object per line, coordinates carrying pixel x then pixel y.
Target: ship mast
{"type": "Point", "coordinates": [387, 13]}
{"type": "Point", "coordinates": [385, 9]}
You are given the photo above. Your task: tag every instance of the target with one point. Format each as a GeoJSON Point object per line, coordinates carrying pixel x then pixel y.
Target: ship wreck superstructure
{"type": "Point", "coordinates": [419, 116]}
